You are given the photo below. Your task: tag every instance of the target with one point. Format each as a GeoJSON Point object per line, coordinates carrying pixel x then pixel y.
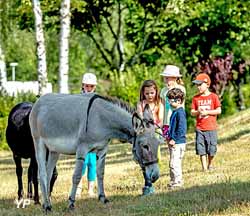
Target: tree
{"type": "Point", "coordinates": [3, 33]}
{"type": "Point", "coordinates": [220, 71]}
{"type": "Point", "coordinates": [64, 46]}
{"type": "Point", "coordinates": [120, 29]}
{"type": "Point", "coordinates": [102, 22]}
{"type": "Point", "coordinates": [41, 51]}
{"type": "Point", "coordinates": [3, 77]}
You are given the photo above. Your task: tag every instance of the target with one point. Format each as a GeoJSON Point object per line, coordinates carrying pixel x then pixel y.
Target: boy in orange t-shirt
{"type": "Point", "coordinates": [205, 106]}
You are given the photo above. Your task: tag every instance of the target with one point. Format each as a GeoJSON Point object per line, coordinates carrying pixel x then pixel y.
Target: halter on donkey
{"type": "Point", "coordinates": [78, 124]}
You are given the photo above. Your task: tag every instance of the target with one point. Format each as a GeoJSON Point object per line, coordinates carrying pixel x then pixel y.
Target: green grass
{"type": "Point", "coordinates": [224, 191]}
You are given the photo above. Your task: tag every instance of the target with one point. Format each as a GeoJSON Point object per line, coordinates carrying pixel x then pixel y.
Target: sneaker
{"type": "Point", "coordinates": [210, 168]}
{"type": "Point", "coordinates": [175, 185]}
{"type": "Point", "coordinates": [170, 183]}
{"type": "Point", "coordinates": [147, 190]}
{"type": "Point", "coordinates": [78, 191]}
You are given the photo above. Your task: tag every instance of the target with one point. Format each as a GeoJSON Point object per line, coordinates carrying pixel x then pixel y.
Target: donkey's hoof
{"type": "Point", "coordinates": [71, 206]}
{"type": "Point", "coordinates": [71, 203]}
{"type": "Point", "coordinates": [47, 209]}
{"type": "Point", "coordinates": [29, 196]}
{"type": "Point", "coordinates": [106, 201]}
{"type": "Point", "coordinates": [37, 202]}
{"type": "Point", "coordinates": [103, 199]}
{"type": "Point", "coordinates": [20, 198]}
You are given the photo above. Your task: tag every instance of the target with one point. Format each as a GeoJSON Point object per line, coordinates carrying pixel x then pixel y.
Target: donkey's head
{"type": "Point", "coordinates": [145, 144]}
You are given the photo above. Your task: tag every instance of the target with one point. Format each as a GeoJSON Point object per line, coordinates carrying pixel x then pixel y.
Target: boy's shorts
{"type": "Point", "coordinates": [206, 142]}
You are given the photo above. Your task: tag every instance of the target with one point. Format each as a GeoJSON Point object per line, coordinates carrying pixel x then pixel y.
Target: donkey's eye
{"type": "Point", "coordinates": [146, 147]}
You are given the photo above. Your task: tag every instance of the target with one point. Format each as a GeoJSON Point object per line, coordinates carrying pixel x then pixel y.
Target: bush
{"type": "Point", "coordinates": [126, 85]}
{"type": "Point", "coordinates": [7, 103]}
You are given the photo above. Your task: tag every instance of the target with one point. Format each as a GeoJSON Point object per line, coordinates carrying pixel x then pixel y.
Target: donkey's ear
{"type": "Point", "coordinates": [147, 113]}
{"type": "Point", "coordinates": [137, 123]}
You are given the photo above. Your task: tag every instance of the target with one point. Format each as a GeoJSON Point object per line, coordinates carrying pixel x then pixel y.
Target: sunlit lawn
{"type": "Point", "coordinates": [224, 191]}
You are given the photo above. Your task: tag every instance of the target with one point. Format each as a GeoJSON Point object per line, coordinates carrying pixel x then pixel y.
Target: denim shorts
{"type": "Point", "coordinates": [206, 142]}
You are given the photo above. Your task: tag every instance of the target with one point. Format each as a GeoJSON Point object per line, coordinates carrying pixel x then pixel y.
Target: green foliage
{"type": "Point", "coordinates": [155, 33]}
{"type": "Point", "coordinates": [126, 85]}
{"type": "Point", "coordinates": [246, 94]}
{"type": "Point", "coordinates": [6, 104]}
{"type": "Point", "coordinates": [228, 104]}
{"type": "Point", "coordinates": [212, 28]}
{"type": "Point", "coordinates": [20, 48]}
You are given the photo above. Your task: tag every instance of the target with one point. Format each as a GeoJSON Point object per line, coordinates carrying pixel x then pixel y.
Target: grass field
{"type": "Point", "coordinates": [223, 191]}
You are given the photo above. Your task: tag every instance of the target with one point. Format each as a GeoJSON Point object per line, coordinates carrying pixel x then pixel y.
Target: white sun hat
{"type": "Point", "coordinates": [89, 78]}
{"type": "Point", "coordinates": [171, 71]}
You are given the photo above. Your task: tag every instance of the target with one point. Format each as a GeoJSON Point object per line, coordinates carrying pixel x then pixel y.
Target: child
{"type": "Point", "coordinates": [205, 106]}
{"type": "Point", "coordinates": [176, 136]}
{"type": "Point", "coordinates": [172, 79]}
{"type": "Point", "coordinates": [149, 94]}
{"type": "Point", "coordinates": [89, 83]}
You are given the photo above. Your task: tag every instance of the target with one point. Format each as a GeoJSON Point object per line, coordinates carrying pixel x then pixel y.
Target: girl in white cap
{"type": "Point", "coordinates": [172, 79]}
{"type": "Point", "coordinates": [89, 83]}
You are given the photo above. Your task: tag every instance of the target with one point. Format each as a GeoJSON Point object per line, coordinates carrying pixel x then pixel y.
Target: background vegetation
{"type": "Point", "coordinates": [125, 42]}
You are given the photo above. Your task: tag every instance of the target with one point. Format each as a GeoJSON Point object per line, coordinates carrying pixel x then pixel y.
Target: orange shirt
{"type": "Point", "coordinates": [209, 102]}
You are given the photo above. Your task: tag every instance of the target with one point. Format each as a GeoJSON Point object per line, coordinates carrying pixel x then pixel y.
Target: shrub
{"type": "Point", "coordinates": [7, 103]}
{"type": "Point", "coordinates": [126, 85]}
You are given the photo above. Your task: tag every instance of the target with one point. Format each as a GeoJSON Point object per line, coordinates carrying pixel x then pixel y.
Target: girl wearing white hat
{"type": "Point", "coordinates": [172, 79]}
{"type": "Point", "coordinates": [89, 83]}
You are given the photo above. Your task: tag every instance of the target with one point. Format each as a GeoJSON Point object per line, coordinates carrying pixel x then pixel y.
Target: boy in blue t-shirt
{"type": "Point", "coordinates": [177, 136]}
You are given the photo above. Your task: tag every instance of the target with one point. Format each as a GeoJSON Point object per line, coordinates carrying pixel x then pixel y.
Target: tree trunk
{"type": "Point", "coordinates": [64, 47]}
{"type": "Point", "coordinates": [41, 51]}
{"type": "Point", "coordinates": [3, 78]}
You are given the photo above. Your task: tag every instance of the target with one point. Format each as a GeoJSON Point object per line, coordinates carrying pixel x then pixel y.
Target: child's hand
{"type": "Point", "coordinates": [171, 143]}
{"type": "Point", "coordinates": [204, 113]}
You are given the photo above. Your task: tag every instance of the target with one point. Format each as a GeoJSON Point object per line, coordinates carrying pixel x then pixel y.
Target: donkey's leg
{"type": "Point", "coordinates": [30, 174]}
{"type": "Point", "coordinates": [101, 155]}
{"type": "Point", "coordinates": [35, 179]}
{"type": "Point", "coordinates": [80, 155]}
{"type": "Point", "coordinates": [19, 173]}
{"type": "Point", "coordinates": [51, 163]}
{"type": "Point", "coordinates": [54, 175]}
{"type": "Point", "coordinates": [53, 179]}
{"type": "Point", "coordinates": [41, 161]}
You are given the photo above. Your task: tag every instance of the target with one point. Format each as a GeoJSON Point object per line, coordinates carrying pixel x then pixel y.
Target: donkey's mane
{"type": "Point", "coordinates": [115, 101]}
{"type": "Point", "coordinates": [124, 105]}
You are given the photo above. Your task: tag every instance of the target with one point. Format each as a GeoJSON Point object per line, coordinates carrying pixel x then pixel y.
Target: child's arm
{"type": "Point", "coordinates": [194, 112]}
{"type": "Point", "coordinates": [161, 114]}
{"type": "Point", "coordinates": [139, 108]}
{"type": "Point", "coordinates": [216, 111]}
{"type": "Point", "coordinates": [194, 108]}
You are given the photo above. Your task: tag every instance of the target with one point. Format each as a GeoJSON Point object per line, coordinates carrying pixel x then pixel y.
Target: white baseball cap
{"type": "Point", "coordinates": [171, 71]}
{"type": "Point", "coordinates": [89, 78]}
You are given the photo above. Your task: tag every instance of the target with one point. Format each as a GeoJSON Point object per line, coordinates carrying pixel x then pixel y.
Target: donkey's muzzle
{"type": "Point", "coordinates": [153, 172]}
{"type": "Point", "coordinates": [154, 178]}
